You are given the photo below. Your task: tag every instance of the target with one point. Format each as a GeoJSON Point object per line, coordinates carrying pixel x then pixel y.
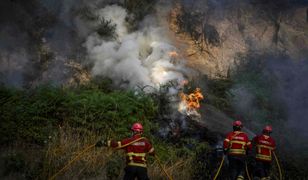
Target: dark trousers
{"type": "Point", "coordinates": [263, 169]}
{"type": "Point", "coordinates": [236, 167]}
{"type": "Point", "coordinates": [132, 172]}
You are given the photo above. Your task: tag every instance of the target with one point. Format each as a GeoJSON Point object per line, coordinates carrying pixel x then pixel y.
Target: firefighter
{"type": "Point", "coordinates": [265, 145]}
{"type": "Point", "coordinates": [136, 148]}
{"type": "Point", "coordinates": [236, 146]}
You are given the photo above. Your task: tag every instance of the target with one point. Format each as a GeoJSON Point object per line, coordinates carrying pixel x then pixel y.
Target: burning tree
{"type": "Point", "coordinates": [190, 103]}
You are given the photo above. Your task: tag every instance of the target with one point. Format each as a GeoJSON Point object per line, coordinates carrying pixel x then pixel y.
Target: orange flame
{"type": "Point", "coordinates": [191, 102]}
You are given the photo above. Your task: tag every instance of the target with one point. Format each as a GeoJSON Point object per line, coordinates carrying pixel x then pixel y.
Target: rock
{"type": "Point", "coordinates": [231, 30]}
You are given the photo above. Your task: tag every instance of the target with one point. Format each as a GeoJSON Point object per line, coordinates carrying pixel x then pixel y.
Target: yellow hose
{"type": "Point", "coordinates": [93, 145]}
{"type": "Point", "coordinates": [161, 166]}
{"type": "Point", "coordinates": [247, 172]}
{"type": "Point", "coordinates": [125, 145]}
{"type": "Point", "coordinates": [277, 162]}
{"type": "Point", "coordinates": [84, 151]}
{"type": "Point", "coordinates": [71, 161]}
{"type": "Point", "coordinates": [221, 163]}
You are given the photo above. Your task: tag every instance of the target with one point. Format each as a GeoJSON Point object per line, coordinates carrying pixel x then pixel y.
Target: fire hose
{"type": "Point", "coordinates": [223, 159]}
{"type": "Point", "coordinates": [79, 155]}
{"type": "Point", "coordinates": [247, 172]}
{"type": "Point", "coordinates": [221, 163]}
{"type": "Point", "coordinates": [161, 166]}
{"type": "Point", "coordinates": [71, 161]}
{"type": "Point", "coordinates": [218, 171]}
{"type": "Point", "coordinates": [279, 169]}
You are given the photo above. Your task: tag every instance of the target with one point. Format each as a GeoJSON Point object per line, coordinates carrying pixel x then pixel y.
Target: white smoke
{"type": "Point", "coordinates": [137, 58]}
{"type": "Point", "coordinates": [117, 15]}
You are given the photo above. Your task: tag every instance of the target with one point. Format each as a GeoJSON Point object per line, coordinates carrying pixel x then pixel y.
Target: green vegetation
{"type": "Point", "coordinates": [53, 124]}
{"type": "Point", "coordinates": [43, 128]}
{"type": "Point", "coordinates": [218, 93]}
{"type": "Point", "coordinates": [140, 8]}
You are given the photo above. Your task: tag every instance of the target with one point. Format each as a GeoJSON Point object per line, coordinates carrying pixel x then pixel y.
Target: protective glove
{"type": "Point", "coordinates": [101, 143]}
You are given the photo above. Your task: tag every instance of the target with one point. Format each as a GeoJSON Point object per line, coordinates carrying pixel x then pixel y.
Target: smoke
{"type": "Point", "coordinates": [279, 82]}
{"type": "Point", "coordinates": [56, 36]}
{"type": "Point", "coordinates": [43, 36]}
{"type": "Point", "coordinates": [243, 99]}
{"type": "Point", "coordinates": [12, 65]}
{"type": "Point", "coordinates": [138, 58]}
{"type": "Point", "coordinates": [36, 41]}
{"type": "Point", "coordinates": [291, 90]}
{"type": "Point", "coordinates": [274, 91]}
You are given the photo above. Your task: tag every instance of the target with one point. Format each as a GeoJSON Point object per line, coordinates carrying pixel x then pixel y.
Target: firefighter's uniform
{"type": "Point", "coordinates": [265, 145]}
{"type": "Point", "coordinates": [135, 155]}
{"type": "Point", "coordinates": [236, 145]}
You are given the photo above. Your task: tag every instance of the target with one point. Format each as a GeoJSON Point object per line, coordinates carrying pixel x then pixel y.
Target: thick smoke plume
{"type": "Point", "coordinates": [54, 34]}
{"type": "Point", "coordinates": [136, 58]}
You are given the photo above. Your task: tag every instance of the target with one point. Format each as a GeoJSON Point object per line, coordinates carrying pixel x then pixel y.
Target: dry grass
{"type": "Point", "coordinates": [179, 169]}
{"type": "Point", "coordinates": [98, 163]}
{"type": "Point", "coordinates": [66, 146]}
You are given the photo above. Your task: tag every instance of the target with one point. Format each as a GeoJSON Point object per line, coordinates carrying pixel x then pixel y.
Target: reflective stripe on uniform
{"type": "Point", "coordinates": [237, 151]}
{"type": "Point", "coordinates": [227, 140]}
{"type": "Point", "coordinates": [240, 177]}
{"type": "Point", "coordinates": [265, 146]}
{"type": "Point", "coordinates": [238, 142]}
{"type": "Point", "coordinates": [136, 154]}
{"type": "Point", "coordinates": [131, 154]}
{"type": "Point", "coordinates": [263, 157]}
{"type": "Point", "coordinates": [137, 164]}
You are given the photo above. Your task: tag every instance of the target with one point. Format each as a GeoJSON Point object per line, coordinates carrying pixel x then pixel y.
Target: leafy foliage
{"type": "Point", "coordinates": [106, 29]}
{"type": "Point", "coordinates": [64, 121]}
{"type": "Point", "coordinates": [139, 9]}
{"type": "Point", "coordinates": [218, 93]}
{"type": "Point", "coordinates": [34, 115]}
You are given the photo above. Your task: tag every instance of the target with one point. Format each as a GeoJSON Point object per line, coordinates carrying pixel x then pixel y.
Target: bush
{"type": "Point", "coordinates": [34, 115]}
{"type": "Point", "coordinates": [64, 121]}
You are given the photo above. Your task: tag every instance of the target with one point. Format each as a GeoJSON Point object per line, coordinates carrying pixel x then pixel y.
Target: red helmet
{"type": "Point", "coordinates": [237, 123]}
{"type": "Point", "coordinates": [137, 127]}
{"type": "Point", "coordinates": [268, 128]}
